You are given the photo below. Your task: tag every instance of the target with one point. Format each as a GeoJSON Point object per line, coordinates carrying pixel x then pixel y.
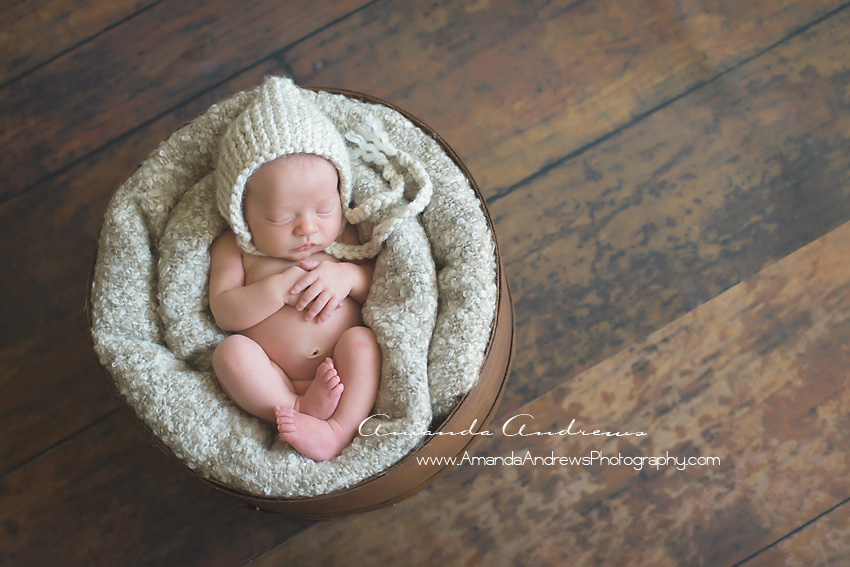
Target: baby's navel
{"type": "Point", "coordinates": [315, 353]}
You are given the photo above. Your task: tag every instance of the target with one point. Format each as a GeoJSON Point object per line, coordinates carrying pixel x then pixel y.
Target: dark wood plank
{"type": "Point", "coordinates": [106, 497]}
{"type": "Point", "coordinates": [36, 31]}
{"type": "Point", "coordinates": [48, 371]}
{"type": "Point", "coordinates": [517, 86]}
{"type": "Point", "coordinates": [58, 370]}
{"type": "Point", "coordinates": [757, 378]}
{"type": "Point", "coordinates": [644, 227]}
{"type": "Point", "coordinates": [137, 71]}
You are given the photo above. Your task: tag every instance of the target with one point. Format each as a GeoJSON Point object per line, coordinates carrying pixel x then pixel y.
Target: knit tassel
{"type": "Point", "coordinates": [373, 146]}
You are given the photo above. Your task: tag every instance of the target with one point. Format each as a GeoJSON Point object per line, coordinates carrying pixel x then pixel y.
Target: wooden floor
{"type": "Point", "coordinates": [670, 183]}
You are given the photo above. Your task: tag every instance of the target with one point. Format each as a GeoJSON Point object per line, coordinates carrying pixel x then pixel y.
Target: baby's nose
{"type": "Point", "coordinates": [307, 226]}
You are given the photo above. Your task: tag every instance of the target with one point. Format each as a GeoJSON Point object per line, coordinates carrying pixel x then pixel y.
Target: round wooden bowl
{"type": "Point", "coordinates": [415, 471]}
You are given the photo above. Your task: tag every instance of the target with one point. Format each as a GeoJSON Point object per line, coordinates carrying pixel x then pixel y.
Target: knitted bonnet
{"type": "Point", "coordinates": [283, 120]}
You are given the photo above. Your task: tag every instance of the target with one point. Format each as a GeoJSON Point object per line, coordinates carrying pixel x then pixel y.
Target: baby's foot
{"type": "Point", "coordinates": [322, 396]}
{"type": "Point", "coordinates": [315, 438]}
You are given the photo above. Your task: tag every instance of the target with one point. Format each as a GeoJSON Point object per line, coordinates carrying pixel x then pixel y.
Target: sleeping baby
{"type": "Point", "coordinates": [300, 356]}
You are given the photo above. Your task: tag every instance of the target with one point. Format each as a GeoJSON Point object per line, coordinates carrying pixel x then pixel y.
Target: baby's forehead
{"type": "Point", "coordinates": [296, 164]}
{"type": "Point", "coordinates": [301, 160]}
{"type": "Point", "coordinates": [286, 173]}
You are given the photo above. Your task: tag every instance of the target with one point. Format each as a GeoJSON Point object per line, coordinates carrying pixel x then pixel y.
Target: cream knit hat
{"type": "Point", "coordinates": [282, 121]}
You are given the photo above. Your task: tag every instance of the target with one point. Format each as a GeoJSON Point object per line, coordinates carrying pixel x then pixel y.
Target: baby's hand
{"type": "Point", "coordinates": [324, 287]}
{"type": "Point", "coordinates": [287, 279]}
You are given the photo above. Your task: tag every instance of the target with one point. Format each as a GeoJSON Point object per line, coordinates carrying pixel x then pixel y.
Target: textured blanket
{"type": "Point", "coordinates": [431, 307]}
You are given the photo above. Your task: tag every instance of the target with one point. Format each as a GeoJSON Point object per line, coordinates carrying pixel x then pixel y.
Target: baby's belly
{"type": "Point", "coordinates": [299, 346]}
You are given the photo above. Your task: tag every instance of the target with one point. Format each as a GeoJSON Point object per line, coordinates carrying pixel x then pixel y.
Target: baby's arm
{"type": "Point", "coordinates": [234, 305]}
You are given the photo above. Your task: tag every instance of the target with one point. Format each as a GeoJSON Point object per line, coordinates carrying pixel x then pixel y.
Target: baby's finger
{"type": "Point", "coordinates": [310, 294]}
{"type": "Point", "coordinates": [332, 306]}
{"type": "Point", "coordinates": [306, 281]}
{"type": "Point", "coordinates": [318, 305]}
{"type": "Point", "coordinates": [308, 264]}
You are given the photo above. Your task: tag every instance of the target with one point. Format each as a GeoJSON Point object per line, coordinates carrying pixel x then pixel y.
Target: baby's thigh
{"type": "Point", "coordinates": [277, 360]}
{"type": "Point", "coordinates": [239, 361]}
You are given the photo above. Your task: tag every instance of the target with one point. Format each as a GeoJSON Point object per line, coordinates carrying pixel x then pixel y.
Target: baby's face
{"type": "Point", "coordinates": [292, 206]}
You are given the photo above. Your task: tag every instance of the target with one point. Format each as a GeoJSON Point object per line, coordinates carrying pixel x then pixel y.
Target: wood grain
{"type": "Point", "coordinates": [756, 377]}
{"type": "Point", "coordinates": [36, 31]}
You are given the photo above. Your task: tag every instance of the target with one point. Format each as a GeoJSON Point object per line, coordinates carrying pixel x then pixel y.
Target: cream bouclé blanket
{"type": "Point", "coordinates": [431, 306]}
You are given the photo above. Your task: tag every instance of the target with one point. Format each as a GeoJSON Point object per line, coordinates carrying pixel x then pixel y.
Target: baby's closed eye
{"type": "Point", "coordinates": [280, 221]}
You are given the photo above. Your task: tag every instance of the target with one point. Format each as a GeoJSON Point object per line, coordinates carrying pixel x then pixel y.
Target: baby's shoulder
{"type": "Point", "coordinates": [226, 241]}
{"type": "Point", "coordinates": [224, 248]}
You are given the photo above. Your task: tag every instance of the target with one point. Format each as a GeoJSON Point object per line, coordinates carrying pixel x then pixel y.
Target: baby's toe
{"type": "Point", "coordinates": [283, 412]}
{"type": "Point", "coordinates": [332, 380]}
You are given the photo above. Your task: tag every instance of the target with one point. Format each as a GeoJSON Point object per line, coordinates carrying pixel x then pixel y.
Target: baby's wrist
{"type": "Point", "coordinates": [285, 281]}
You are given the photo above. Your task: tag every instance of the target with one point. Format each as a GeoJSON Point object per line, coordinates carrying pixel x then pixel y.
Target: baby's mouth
{"type": "Point", "coordinates": [305, 247]}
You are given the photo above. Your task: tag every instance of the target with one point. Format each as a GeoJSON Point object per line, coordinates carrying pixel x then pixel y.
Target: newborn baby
{"type": "Point", "coordinates": [303, 358]}
{"type": "Point", "coordinates": [300, 356]}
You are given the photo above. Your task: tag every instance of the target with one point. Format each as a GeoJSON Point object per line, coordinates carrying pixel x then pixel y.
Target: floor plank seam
{"type": "Point", "coordinates": [257, 556]}
{"type": "Point", "coordinates": [278, 56]}
{"type": "Point", "coordinates": [58, 443]}
{"type": "Point", "coordinates": [793, 532]}
{"type": "Point", "coordinates": [79, 44]}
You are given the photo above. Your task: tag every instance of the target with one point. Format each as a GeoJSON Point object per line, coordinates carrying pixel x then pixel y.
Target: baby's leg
{"type": "Point", "coordinates": [250, 378]}
{"type": "Point", "coordinates": [357, 358]}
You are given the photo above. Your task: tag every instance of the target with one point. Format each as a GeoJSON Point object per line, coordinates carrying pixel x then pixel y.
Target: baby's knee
{"type": "Point", "coordinates": [231, 353]}
{"type": "Point", "coordinates": [360, 340]}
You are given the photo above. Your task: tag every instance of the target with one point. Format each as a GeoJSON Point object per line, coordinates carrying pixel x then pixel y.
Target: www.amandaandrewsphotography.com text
{"type": "Point", "coordinates": [522, 425]}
